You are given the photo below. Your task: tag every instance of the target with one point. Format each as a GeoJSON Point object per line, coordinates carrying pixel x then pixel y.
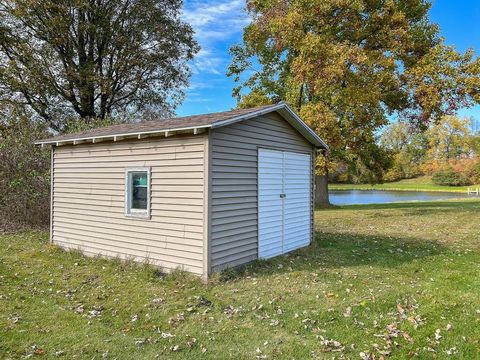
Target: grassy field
{"type": "Point", "coordinates": [398, 281]}
{"type": "Point", "coordinates": [423, 183]}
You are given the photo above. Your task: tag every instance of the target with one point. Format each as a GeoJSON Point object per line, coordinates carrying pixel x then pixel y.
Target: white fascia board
{"type": "Point", "coordinates": [248, 116]}
{"type": "Point", "coordinates": [303, 128]}
{"type": "Point", "coordinates": [113, 136]}
{"type": "Point", "coordinates": [289, 115]}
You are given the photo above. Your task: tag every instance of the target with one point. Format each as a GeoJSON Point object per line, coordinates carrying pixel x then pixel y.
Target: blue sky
{"type": "Point", "coordinates": [218, 25]}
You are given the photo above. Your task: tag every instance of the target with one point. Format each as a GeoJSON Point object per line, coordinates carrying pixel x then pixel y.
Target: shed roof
{"type": "Point", "coordinates": [187, 123]}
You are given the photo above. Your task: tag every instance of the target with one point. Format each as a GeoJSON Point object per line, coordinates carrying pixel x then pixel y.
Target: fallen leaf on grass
{"type": "Point", "coordinates": [257, 307]}
{"type": "Point", "coordinates": [173, 321]}
{"type": "Point", "coordinates": [367, 356]}
{"type": "Point", "coordinates": [157, 301]}
{"type": "Point", "coordinates": [392, 330]}
{"type": "Point", "coordinates": [407, 337]}
{"type": "Point", "coordinates": [416, 320]}
{"type": "Point", "coordinates": [452, 351]}
{"type": "Point", "coordinates": [141, 341]}
{"type": "Point", "coordinates": [230, 311]}
{"type": "Point", "coordinates": [202, 301]}
{"type": "Point", "coordinates": [274, 322]}
{"type": "Point", "coordinates": [330, 345]}
{"type": "Point", "coordinates": [191, 343]}
{"type": "Point", "coordinates": [14, 318]}
{"type": "Point", "coordinates": [94, 313]}
{"type": "Point", "coordinates": [348, 312]}
{"type": "Point", "coordinates": [39, 351]}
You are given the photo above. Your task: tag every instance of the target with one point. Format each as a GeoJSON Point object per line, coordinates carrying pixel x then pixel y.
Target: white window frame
{"type": "Point", "coordinates": [136, 213]}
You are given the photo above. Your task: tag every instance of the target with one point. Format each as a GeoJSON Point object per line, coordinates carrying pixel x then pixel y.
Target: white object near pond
{"type": "Point", "coordinates": [200, 193]}
{"type": "Point", "coordinates": [475, 191]}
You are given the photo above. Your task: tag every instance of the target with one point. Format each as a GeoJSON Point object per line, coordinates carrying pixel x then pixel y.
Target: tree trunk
{"type": "Point", "coordinates": [321, 190]}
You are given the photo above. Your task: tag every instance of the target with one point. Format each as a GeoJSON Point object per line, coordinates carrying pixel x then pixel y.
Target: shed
{"type": "Point", "coordinates": [200, 193]}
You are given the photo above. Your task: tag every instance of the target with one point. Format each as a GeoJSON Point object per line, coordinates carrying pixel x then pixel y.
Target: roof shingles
{"type": "Point", "coordinates": [172, 124]}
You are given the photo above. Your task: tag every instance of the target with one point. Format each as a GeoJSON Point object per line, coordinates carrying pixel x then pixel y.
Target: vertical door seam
{"type": "Point", "coordinates": [283, 202]}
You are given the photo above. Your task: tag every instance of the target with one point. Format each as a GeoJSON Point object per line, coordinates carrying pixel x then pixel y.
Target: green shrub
{"type": "Point", "coordinates": [475, 172]}
{"type": "Point", "coordinates": [450, 178]}
{"type": "Point", "coordinates": [24, 173]}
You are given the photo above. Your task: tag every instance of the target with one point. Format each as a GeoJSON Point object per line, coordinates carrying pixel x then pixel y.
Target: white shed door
{"type": "Point", "coordinates": [297, 201]}
{"type": "Point", "coordinates": [284, 200]}
{"type": "Point", "coordinates": [270, 204]}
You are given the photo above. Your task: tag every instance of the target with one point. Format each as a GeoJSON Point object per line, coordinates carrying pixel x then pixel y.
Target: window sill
{"type": "Point", "coordinates": [140, 216]}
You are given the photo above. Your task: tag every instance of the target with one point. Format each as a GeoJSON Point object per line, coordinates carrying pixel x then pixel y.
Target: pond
{"type": "Point", "coordinates": [350, 197]}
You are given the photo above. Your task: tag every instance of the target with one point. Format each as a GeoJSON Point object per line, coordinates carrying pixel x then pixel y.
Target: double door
{"type": "Point", "coordinates": [284, 202]}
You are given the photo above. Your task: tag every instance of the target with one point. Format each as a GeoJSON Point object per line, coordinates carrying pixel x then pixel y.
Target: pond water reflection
{"type": "Point", "coordinates": [350, 197]}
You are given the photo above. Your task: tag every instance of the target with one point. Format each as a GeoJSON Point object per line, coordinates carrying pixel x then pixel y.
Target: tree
{"type": "Point", "coordinates": [451, 139]}
{"type": "Point", "coordinates": [408, 148]}
{"type": "Point", "coordinates": [475, 144]}
{"type": "Point", "coordinates": [347, 66]}
{"type": "Point", "coordinates": [93, 58]}
{"type": "Point", "coordinates": [24, 170]}
{"type": "Point", "coordinates": [475, 126]}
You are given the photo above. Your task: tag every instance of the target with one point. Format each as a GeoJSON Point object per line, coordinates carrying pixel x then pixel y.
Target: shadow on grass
{"type": "Point", "coordinates": [335, 251]}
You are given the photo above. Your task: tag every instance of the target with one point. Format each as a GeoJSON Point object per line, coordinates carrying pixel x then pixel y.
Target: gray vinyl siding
{"type": "Point", "coordinates": [88, 201]}
{"type": "Point", "coordinates": [234, 154]}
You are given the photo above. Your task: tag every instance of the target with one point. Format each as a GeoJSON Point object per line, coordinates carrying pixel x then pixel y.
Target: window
{"type": "Point", "coordinates": [137, 192]}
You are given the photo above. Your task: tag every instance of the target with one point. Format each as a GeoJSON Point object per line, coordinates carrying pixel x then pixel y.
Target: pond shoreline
{"type": "Point", "coordinates": [384, 196]}
{"type": "Point", "coordinates": [349, 187]}
{"type": "Point", "coordinates": [421, 183]}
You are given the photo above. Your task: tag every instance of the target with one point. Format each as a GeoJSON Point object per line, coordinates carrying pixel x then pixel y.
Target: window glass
{"type": "Point", "coordinates": [139, 190]}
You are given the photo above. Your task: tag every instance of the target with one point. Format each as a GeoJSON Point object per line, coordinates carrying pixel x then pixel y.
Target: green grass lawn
{"type": "Point", "coordinates": [398, 280]}
{"type": "Point", "coordinates": [423, 183]}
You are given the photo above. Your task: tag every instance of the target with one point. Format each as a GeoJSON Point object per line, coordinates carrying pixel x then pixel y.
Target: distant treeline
{"type": "Point", "coordinates": [448, 151]}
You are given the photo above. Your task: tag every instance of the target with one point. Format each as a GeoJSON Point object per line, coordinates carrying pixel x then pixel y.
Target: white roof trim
{"type": "Point", "coordinates": [305, 127]}
{"type": "Point", "coordinates": [114, 136]}
{"type": "Point", "coordinates": [248, 116]}
{"type": "Point", "coordinates": [289, 115]}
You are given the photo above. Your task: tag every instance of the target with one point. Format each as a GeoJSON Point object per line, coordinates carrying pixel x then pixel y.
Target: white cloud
{"type": "Point", "coordinates": [201, 100]}
{"type": "Point", "coordinates": [203, 14]}
{"type": "Point", "coordinates": [206, 61]}
{"type": "Point", "coordinates": [217, 24]}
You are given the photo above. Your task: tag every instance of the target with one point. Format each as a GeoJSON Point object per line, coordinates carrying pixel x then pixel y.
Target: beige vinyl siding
{"type": "Point", "coordinates": [89, 194]}
{"type": "Point", "coordinates": [234, 218]}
